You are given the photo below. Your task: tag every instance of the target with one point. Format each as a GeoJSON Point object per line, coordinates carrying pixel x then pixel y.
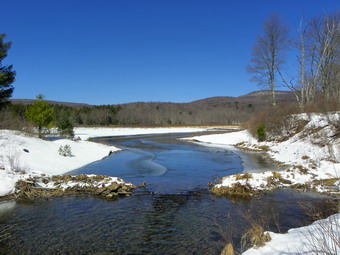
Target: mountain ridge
{"type": "Point", "coordinates": [259, 93]}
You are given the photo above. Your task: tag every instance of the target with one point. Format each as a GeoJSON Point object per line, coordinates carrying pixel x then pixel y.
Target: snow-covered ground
{"type": "Point", "coordinates": [22, 156]}
{"type": "Point", "coordinates": [85, 132]}
{"type": "Point", "coordinates": [43, 155]}
{"type": "Point", "coordinates": [313, 154]}
{"type": "Point", "coordinates": [321, 237]}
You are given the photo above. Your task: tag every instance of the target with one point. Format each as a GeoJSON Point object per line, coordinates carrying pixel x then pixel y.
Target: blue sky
{"type": "Point", "coordinates": [120, 51]}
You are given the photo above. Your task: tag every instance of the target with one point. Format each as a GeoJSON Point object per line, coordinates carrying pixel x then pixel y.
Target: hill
{"type": "Point", "coordinates": [209, 111]}
{"type": "Point", "coordinates": [214, 110]}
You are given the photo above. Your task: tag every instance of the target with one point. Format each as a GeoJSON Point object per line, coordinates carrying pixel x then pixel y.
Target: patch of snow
{"type": "Point", "coordinates": [6, 206]}
{"type": "Point", "coordinates": [42, 156]}
{"type": "Point", "coordinates": [321, 237]}
{"type": "Point", "coordinates": [105, 182]}
{"type": "Point", "coordinates": [84, 132]}
{"type": "Point", "coordinates": [231, 138]}
{"type": "Point", "coordinates": [7, 182]}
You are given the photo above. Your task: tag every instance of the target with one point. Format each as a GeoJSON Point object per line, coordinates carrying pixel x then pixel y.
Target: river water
{"type": "Point", "coordinates": [174, 214]}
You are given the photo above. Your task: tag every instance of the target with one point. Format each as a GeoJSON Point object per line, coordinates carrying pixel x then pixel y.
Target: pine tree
{"type": "Point", "coordinates": [40, 114]}
{"type": "Point", "coordinates": [7, 76]}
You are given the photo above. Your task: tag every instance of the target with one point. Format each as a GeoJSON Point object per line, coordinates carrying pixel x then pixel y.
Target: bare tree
{"type": "Point", "coordinates": [318, 44]}
{"type": "Point", "coordinates": [269, 54]}
{"type": "Point", "coordinates": [324, 37]}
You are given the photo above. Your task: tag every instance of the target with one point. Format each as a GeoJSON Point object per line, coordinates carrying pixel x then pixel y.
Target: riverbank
{"type": "Point", "coordinates": [311, 157]}
{"type": "Point", "coordinates": [23, 156]}
{"type": "Point", "coordinates": [88, 132]}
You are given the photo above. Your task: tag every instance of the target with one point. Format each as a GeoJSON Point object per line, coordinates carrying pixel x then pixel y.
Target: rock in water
{"type": "Point", "coordinates": [100, 190]}
{"type": "Point", "coordinates": [113, 187]}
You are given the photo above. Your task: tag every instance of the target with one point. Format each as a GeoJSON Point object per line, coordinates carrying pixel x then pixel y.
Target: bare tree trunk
{"type": "Point", "coordinates": [269, 54]}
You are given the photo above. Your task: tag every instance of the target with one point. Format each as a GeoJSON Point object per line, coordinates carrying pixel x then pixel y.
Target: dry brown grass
{"type": "Point", "coordinates": [237, 189]}
{"type": "Point", "coordinates": [228, 250]}
{"type": "Point", "coordinates": [260, 219]}
{"type": "Point", "coordinates": [302, 169]}
{"type": "Point", "coordinates": [245, 176]}
{"type": "Point", "coordinates": [277, 175]}
{"type": "Point", "coordinates": [255, 236]}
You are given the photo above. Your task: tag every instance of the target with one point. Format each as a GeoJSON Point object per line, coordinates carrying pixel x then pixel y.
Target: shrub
{"type": "Point", "coordinates": [65, 150]}
{"type": "Point", "coordinates": [65, 128]}
{"type": "Point", "coordinates": [261, 132]}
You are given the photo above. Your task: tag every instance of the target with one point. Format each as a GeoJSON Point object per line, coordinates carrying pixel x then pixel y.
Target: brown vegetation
{"type": "Point", "coordinates": [237, 189]}
{"type": "Point", "coordinates": [30, 188]}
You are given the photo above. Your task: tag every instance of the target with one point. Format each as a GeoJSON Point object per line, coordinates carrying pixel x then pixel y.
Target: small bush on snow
{"type": "Point", "coordinates": [65, 150]}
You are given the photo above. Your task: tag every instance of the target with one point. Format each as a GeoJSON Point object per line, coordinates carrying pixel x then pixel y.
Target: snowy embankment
{"type": "Point", "coordinates": [23, 156]}
{"type": "Point", "coordinates": [312, 157]}
{"type": "Point", "coordinates": [321, 237]}
{"type": "Point", "coordinates": [86, 132]}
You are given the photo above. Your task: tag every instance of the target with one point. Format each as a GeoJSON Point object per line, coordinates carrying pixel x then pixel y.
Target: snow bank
{"type": "Point", "coordinates": [42, 156]}
{"type": "Point", "coordinates": [85, 133]}
{"type": "Point", "coordinates": [231, 138]}
{"type": "Point", "coordinates": [313, 153]}
{"type": "Point", "coordinates": [321, 237]}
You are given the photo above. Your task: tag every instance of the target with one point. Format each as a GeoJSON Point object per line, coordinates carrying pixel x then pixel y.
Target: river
{"type": "Point", "coordinates": [174, 214]}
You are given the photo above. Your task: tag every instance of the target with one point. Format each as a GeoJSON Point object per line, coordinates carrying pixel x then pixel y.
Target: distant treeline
{"type": "Point", "coordinates": [210, 111]}
{"type": "Point", "coordinates": [87, 115]}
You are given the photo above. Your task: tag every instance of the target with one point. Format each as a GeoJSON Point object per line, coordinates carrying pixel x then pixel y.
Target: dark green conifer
{"type": "Point", "coordinates": [7, 75]}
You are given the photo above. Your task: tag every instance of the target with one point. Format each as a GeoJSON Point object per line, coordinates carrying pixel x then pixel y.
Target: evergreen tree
{"type": "Point", "coordinates": [40, 114]}
{"type": "Point", "coordinates": [7, 76]}
{"type": "Point", "coordinates": [65, 126]}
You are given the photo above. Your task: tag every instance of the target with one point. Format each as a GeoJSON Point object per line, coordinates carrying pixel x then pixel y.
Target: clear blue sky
{"type": "Point", "coordinates": [119, 51]}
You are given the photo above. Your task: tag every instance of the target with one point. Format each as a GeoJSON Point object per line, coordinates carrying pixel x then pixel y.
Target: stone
{"type": "Point", "coordinates": [100, 190]}
{"type": "Point", "coordinates": [112, 194]}
{"type": "Point", "coordinates": [113, 187]}
{"type": "Point", "coordinates": [143, 185]}
{"type": "Point", "coordinates": [124, 192]}
{"type": "Point", "coordinates": [105, 192]}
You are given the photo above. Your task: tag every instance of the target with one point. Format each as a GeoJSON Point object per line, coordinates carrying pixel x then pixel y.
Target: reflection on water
{"type": "Point", "coordinates": [175, 214]}
{"type": "Point", "coordinates": [192, 223]}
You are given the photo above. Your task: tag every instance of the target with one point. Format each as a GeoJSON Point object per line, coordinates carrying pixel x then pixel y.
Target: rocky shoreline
{"type": "Point", "coordinates": [295, 177]}
{"type": "Point", "coordinates": [64, 185]}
